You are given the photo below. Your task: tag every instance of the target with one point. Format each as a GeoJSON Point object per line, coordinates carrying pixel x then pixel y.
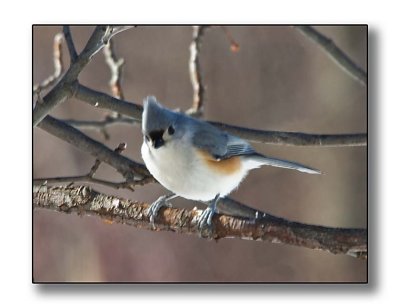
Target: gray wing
{"type": "Point", "coordinates": [223, 146]}
{"type": "Point", "coordinates": [236, 147]}
{"type": "Point", "coordinates": [220, 144]}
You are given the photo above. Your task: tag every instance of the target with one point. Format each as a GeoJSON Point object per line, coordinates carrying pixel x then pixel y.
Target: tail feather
{"type": "Point", "coordinates": [258, 160]}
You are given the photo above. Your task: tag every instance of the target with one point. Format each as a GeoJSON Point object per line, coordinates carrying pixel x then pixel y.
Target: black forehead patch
{"type": "Point", "coordinates": [156, 134]}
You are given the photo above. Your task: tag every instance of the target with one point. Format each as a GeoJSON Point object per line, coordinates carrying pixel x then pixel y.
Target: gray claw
{"type": "Point", "coordinates": [154, 208]}
{"type": "Point", "coordinates": [205, 219]}
{"type": "Point", "coordinates": [205, 222]}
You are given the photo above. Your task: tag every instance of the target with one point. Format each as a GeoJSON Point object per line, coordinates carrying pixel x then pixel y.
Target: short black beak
{"type": "Point", "coordinates": [158, 143]}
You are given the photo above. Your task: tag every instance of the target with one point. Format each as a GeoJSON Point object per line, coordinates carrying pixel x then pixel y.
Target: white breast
{"type": "Point", "coordinates": [181, 170]}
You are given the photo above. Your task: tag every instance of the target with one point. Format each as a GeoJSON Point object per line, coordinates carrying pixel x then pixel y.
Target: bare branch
{"type": "Point", "coordinates": [83, 200]}
{"type": "Point", "coordinates": [234, 45]}
{"type": "Point", "coordinates": [194, 68]}
{"type": "Point", "coordinates": [195, 73]}
{"type": "Point", "coordinates": [115, 66]}
{"type": "Point", "coordinates": [99, 125]}
{"type": "Point", "coordinates": [70, 43]}
{"type": "Point", "coordinates": [86, 201]}
{"type": "Point", "coordinates": [66, 86]}
{"type": "Point", "coordinates": [105, 101]}
{"type": "Point", "coordinates": [119, 149]}
{"type": "Point", "coordinates": [97, 40]}
{"type": "Point", "coordinates": [335, 53]}
{"type": "Point", "coordinates": [130, 170]}
{"type": "Point", "coordinates": [58, 66]}
{"type": "Point", "coordinates": [89, 177]}
{"type": "Point", "coordinates": [59, 94]}
{"type": "Point", "coordinates": [118, 29]}
{"type": "Point", "coordinates": [294, 138]}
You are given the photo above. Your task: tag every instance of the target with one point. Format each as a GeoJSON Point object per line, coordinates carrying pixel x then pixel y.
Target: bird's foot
{"type": "Point", "coordinates": [155, 207]}
{"type": "Point", "coordinates": [205, 223]}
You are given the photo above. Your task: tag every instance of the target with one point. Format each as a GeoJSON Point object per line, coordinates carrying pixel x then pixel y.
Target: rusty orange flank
{"type": "Point", "coordinates": [226, 166]}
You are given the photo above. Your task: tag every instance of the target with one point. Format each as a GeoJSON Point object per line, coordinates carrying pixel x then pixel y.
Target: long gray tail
{"type": "Point", "coordinates": [259, 159]}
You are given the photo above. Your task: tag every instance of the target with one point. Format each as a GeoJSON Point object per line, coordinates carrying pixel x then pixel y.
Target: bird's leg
{"type": "Point", "coordinates": [205, 219]}
{"type": "Point", "coordinates": [152, 211]}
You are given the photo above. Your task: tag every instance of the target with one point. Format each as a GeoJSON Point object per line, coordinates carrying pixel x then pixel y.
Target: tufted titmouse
{"type": "Point", "coordinates": [195, 160]}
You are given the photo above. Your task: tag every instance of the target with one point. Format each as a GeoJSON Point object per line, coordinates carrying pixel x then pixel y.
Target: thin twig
{"type": "Point", "coordinates": [99, 38]}
{"type": "Point", "coordinates": [268, 228]}
{"type": "Point", "coordinates": [341, 58]}
{"type": "Point", "coordinates": [233, 44]}
{"type": "Point", "coordinates": [102, 100]}
{"type": "Point", "coordinates": [195, 72]}
{"type": "Point", "coordinates": [66, 87]}
{"type": "Point", "coordinates": [119, 149]}
{"type": "Point", "coordinates": [101, 124]}
{"type": "Point", "coordinates": [70, 43]}
{"type": "Point", "coordinates": [58, 66]}
{"type": "Point", "coordinates": [130, 170]}
{"type": "Point", "coordinates": [115, 66]}
{"type": "Point", "coordinates": [89, 177]}
{"type": "Point", "coordinates": [118, 29]}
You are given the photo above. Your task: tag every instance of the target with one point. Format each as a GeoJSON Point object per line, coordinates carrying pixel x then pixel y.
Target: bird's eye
{"type": "Point", "coordinates": [147, 138]}
{"type": "Point", "coordinates": [171, 130]}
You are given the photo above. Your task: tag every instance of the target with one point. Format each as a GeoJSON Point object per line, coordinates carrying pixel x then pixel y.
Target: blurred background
{"type": "Point", "coordinates": [278, 80]}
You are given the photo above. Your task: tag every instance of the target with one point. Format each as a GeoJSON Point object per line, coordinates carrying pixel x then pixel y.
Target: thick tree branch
{"type": "Point", "coordinates": [86, 201]}
{"type": "Point", "coordinates": [66, 86]}
{"type": "Point", "coordinates": [335, 53]}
